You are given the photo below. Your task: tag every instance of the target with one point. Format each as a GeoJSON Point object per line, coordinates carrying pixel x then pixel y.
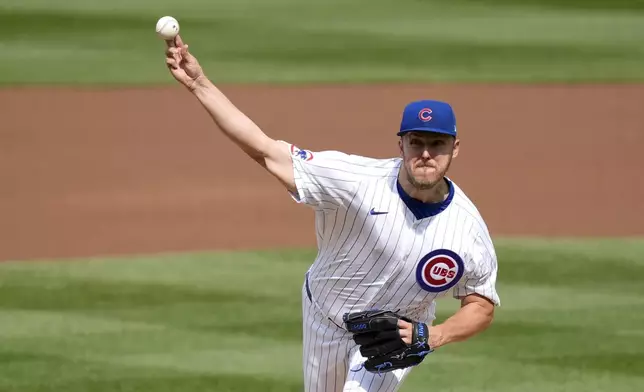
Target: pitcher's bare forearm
{"type": "Point", "coordinates": [270, 154]}
{"type": "Point", "coordinates": [239, 128]}
{"type": "Point", "coordinates": [232, 122]}
{"type": "Point", "coordinates": [474, 316]}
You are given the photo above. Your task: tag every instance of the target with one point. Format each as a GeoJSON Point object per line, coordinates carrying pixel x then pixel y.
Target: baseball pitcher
{"type": "Point", "coordinates": [393, 236]}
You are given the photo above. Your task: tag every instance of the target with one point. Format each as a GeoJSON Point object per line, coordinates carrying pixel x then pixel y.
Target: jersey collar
{"type": "Point", "coordinates": [425, 210]}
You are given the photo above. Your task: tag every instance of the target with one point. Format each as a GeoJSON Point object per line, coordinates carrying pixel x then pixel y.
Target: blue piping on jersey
{"type": "Point", "coordinates": [425, 210]}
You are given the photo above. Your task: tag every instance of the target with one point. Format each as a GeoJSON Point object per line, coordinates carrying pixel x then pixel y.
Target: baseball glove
{"type": "Point", "coordinates": [376, 332]}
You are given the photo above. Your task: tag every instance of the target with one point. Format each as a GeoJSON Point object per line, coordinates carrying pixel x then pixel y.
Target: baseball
{"type": "Point", "coordinates": [167, 28]}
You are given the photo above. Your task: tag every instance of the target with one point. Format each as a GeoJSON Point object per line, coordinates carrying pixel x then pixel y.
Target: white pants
{"type": "Point", "coordinates": [332, 360]}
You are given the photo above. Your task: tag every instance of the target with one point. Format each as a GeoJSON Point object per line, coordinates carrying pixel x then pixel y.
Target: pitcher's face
{"type": "Point", "coordinates": [427, 156]}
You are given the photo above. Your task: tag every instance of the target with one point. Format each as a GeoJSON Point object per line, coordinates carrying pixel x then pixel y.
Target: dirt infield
{"type": "Point", "coordinates": [88, 172]}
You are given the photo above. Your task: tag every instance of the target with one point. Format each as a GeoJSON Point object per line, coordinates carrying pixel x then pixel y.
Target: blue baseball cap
{"type": "Point", "coordinates": [428, 116]}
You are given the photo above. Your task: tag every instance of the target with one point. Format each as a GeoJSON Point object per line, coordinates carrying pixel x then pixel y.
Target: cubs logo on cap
{"type": "Point", "coordinates": [428, 116]}
{"type": "Point", "coordinates": [425, 114]}
{"type": "Point", "coordinates": [439, 270]}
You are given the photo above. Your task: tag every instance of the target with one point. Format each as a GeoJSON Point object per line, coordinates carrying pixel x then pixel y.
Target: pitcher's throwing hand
{"type": "Point", "coordinates": [182, 64]}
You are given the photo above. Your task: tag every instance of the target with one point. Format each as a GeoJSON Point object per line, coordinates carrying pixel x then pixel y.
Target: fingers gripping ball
{"type": "Point", "coordinates": [167, 28]}
{"type": "Point", "coordinates": [376, 332]}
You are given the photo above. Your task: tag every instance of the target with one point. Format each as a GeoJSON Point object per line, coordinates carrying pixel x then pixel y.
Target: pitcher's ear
{"type": "Point", "coordinates": [457, 147]}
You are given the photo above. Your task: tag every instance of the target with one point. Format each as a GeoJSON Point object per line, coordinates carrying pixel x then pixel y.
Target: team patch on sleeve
{"type": "Point", "coordinates": [439, 270]}
{"type": "Point", "coordinates": [304, 155]}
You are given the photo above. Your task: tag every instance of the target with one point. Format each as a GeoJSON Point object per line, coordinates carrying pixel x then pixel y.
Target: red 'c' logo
{"type": "Point", "coordinates": [425, 114]}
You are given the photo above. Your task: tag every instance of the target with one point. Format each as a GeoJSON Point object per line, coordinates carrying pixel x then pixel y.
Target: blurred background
{"type": "Point", "coordinates": [141, 250]}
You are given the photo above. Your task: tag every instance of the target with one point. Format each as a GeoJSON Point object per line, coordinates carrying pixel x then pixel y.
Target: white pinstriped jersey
{"type": "Point", "coordinates": [373, 252]}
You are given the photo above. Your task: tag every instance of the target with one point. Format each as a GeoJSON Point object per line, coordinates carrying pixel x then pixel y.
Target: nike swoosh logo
{"type": "Point", "coordinates": [374, 212]}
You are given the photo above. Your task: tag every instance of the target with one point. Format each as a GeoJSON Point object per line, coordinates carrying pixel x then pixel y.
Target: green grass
{"type": "Point", "coordinates": [360, 41]}
{"type": "Point", "coordinates": [571, 320]}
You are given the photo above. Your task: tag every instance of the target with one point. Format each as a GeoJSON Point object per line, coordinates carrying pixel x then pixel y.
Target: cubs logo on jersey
{"type": "Point", "coordinates": [439, 270]}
